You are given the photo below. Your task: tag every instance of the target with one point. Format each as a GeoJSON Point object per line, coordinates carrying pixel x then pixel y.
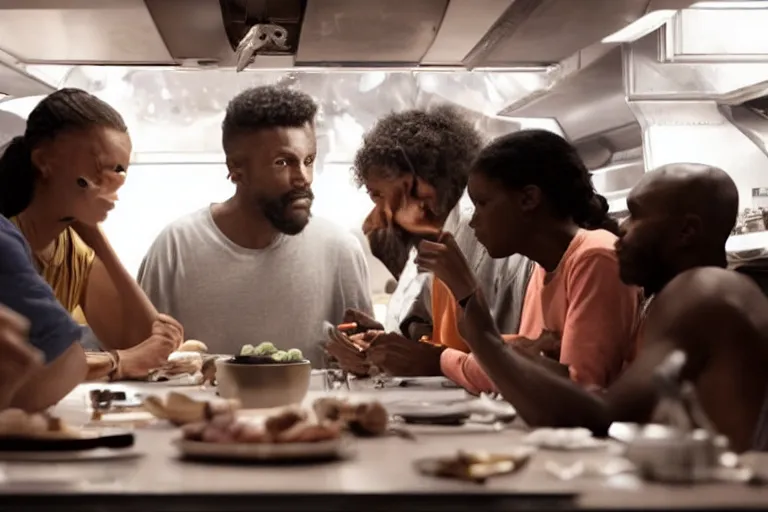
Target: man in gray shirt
{"type": "Point", "coordinates": [255, 268]}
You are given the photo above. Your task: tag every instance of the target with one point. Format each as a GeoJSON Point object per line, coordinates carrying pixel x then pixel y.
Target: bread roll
{"type": "Point", "coordinates": [193, 346]}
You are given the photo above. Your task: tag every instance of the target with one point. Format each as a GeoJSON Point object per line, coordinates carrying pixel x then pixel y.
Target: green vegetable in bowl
{"type": "Point", "coordinates": [294, 355]}
{"type": "Point", "coordinates": [265, 348]}
{"type": "Point", "coordinates": [268, 350]}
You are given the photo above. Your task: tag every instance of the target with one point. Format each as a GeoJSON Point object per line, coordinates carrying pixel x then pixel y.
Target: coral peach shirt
{"type": "Point", "coordinates": [584, 302]}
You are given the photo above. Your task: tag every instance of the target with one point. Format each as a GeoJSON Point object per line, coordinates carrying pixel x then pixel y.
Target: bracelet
{"type": "Point", "coordinates": [114, 356]}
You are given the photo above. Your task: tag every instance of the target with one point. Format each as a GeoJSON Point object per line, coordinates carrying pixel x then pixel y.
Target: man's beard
{"type": "Point", "coordinates": [392, 246]}
{"type": "Point", "coordinates": [280, 213]}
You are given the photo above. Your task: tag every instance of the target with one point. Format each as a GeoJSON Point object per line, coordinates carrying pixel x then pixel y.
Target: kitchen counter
{"type": "Point", "coordinates": [379, 477]}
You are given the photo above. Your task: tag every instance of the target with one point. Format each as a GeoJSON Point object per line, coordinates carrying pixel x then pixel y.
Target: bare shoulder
{"type": "Point", "coordinates": [712, 285]}
{"type": "Point", "coordinates": [709, 299]}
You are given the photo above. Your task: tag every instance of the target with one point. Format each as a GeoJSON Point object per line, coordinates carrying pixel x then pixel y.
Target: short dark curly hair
{"type": "Point", "coordinates": [438, 146]}
{"type": "Point", "coordinates": [264, 107]}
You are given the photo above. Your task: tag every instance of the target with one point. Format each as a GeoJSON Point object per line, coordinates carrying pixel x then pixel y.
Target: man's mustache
{"type": "Point", "coordinates": [298, 194]}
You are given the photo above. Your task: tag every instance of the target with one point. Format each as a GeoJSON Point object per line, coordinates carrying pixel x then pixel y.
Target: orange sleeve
{"type": "Point", "coordinates": [464, 370]}
{"type": "Point", "coordinates": [598, 334]}
{"type": "Point", "coordinates": [445, 327]}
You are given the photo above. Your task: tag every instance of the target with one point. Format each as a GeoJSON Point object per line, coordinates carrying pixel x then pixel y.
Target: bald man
{"type": "Point", "coordinates": [673, 245]}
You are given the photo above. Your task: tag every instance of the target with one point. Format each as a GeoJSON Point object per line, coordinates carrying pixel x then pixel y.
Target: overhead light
{"type": "Point", "coordinates": [641, 27]}
{"type": "Point", "coordinates": [753, 4]}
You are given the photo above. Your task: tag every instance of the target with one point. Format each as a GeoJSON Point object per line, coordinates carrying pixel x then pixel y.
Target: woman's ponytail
{"type": "Point", "coordinates": [593, 214]}
{"type": "Point", "coordinates": [17, 177]}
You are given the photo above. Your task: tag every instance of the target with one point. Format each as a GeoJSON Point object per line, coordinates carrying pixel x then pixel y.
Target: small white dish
{"type": "Point", "coordinates": [428, 410]}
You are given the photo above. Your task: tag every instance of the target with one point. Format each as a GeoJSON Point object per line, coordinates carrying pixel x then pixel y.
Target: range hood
{"type": "Point", "coordinates": [320, 33]}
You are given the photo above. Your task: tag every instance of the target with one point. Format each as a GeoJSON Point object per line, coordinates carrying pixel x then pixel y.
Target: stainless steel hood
{"type": "Point", "coordinates": [367, 33]}
{"type": "Point", "coordinates": [544, 32]}
{"type": "Point", "coordinates": [14, 81]}
{"type": "Point", "coordinates": [81, 32]}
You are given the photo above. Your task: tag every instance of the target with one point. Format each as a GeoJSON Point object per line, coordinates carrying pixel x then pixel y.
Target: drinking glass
{"type": "Point", "coordinates": [334, 377]}
{"type": "Point", "coordinates": [379, 377]}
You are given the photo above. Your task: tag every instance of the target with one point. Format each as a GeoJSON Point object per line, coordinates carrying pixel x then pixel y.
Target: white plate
{"type": "Point", "coordinates": [127, 420]}
{"type": "Point", "coordinates": [428, 410]}
{"type": "Point", "coordinates": [332, 449]}
{"type": "Point", "coordinates": [564, 439]}
{"type": "Point", "coordinates": [77, 456]}
{"type": "Point", "coordinates": [450, 430]}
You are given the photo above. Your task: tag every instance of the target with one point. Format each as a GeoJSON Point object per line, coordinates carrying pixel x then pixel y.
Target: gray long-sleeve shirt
{"type": "Point", "coordinates": [228, 296]}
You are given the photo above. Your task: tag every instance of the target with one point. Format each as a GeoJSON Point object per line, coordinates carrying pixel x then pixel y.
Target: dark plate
{"type": "Point", "coordinates": [26, 444]}
{"type": "Point", "coordinates": [452, 419]}
{"type": "Point", "coordinates": [259, 360]}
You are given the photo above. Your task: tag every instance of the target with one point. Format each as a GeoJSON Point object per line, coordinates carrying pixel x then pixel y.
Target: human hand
{"type": "Point", "coordinates": [18, 359]}
{"type": "Point", "coordinates": [136, 362]}
{"type": "Point", "coordinates": [364, 321]}
{"type": "Point", "coordinates": [349, 355]}
{"type": "Point", "coordinates": [446, 261]}
{"type": "Point", "coordinates": [547, 344]}
{"type": "Point", "coordinates": [91, 234]}
{"type": "Point", "coordinates": [413, 209]}
{"type": "Point", "coordinates": [398, 356]}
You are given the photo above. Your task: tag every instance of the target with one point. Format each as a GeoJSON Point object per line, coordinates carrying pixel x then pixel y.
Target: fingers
{"type": "Point", "coordinates": [16, 354]}
{"type": "Point", "coordinates": [428, 248]}
{"type": "Point", "coordinates": [350, 360]}
{"type": "Point", "coordinates": [362, 320]}
{"type": "Point", "coordinates": [448, 240]}
{"type": "Point", "coordinates": [425, 264]}
{"type": "Point", "coordinates": [360, 340]}
{"type": "Point", "coordinates": [168, 319]}
{"type": "Point", "coordinates": [11, 320]}
{"type": "Point", "coordinates": [430, 254]}
{"type": "Point", "coordinates": [170, 323]}
{"type": "Point", "coordinates": [351, 316]}
{"type": "Point", "coordinates": [343, 350]}
{"type": "Point", "coordinates": [168, 328]}
{"type": "Point", "coordinates": [415, 216]}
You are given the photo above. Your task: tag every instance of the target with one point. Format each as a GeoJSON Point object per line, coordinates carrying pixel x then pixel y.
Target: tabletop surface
{"type": "Point", "coordinates": [379, 475]}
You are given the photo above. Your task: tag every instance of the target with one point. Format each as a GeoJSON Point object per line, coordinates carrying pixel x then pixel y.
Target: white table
{"type": "Point", "coordinates": [379, 477]}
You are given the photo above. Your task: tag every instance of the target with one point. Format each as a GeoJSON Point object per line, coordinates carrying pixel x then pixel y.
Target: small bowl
{"type": "Point", "coordinates": [262, 386]}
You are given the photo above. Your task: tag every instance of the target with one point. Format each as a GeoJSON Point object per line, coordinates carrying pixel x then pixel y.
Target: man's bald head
{"type": "Point", "coordinates": [693, 189]}
{"type": "Point", "coordinates": [680, 217]}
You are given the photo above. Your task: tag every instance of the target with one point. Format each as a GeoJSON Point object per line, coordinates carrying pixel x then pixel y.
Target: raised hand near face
{"type": "Point", "coordinates": [446, 261]}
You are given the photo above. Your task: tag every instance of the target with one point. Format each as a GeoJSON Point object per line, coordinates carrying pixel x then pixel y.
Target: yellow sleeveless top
{"type": "Point", "coordinates": [68, 270]}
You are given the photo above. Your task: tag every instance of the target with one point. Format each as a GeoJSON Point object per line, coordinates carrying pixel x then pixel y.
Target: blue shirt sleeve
{"type": "Point", "coordinates": [22, 289]}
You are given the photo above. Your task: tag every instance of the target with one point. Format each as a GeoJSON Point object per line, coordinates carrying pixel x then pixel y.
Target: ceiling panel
{"type": "Point", "coordinates": [372, 32]}
{"type": "Point", "coordinates": [81, 31]}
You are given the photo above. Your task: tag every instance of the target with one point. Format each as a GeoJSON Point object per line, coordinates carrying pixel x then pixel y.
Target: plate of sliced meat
{"type": "Point", "coordinates": [289, 435]}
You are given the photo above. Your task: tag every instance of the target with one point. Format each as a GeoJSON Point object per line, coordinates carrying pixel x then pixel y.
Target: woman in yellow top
{"type": "Point", "coordinates": [57, 184]}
